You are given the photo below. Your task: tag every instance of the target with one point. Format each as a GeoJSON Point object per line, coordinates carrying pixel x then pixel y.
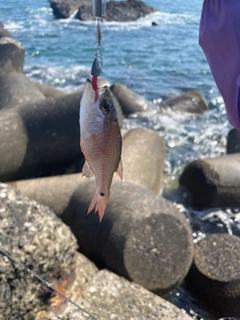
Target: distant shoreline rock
{"type": "Point", "coordinates": [122, 11]}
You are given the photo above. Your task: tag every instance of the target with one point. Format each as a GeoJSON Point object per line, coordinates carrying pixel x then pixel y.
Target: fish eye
{"type": "Point", "coordinates": [105, 106]}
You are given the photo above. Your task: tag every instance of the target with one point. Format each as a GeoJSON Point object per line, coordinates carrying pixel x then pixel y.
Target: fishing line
{"type": "Point", "coordinates": [47, 284]}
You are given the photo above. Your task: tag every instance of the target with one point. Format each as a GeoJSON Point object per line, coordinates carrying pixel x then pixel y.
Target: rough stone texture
{"type": "Point", "coordinates": [143, 155]}
{"type": "Point", "coordinates": [213, 182]}
{"type": "Point", "coordinates": [16, 90]}
{"type": "Point", "coordinates": [39, 139]}
{"type": "Point", "coordinates": [130, 101]}
{"type": "Point", "coordinates": [11, 54]}
{"type": "Point", "coordinates": [215, 273]}
{"type": "Point", "coordinates": [115, 298]}
{"type": "Point", "coordinates": [191, 101]}
{"type": "Point", "coordinates": [233, 141]}
{"type": "Point", "coordinates": [63, 9]}
{"type": "Point", "coordinates": [123, 11]}
{"type": "Point", "coordinates": [49, 92]}
{"type": "Point", "coordinates": [137, 226]}
{"type": "Point", "coordinates": [34, 236]}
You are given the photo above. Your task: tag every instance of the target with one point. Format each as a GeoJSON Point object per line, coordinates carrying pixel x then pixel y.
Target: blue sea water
{"type": "Point", "coordinates": [157, 62]}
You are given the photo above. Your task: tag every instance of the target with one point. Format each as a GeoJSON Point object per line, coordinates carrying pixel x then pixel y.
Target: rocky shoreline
{"type": "Point", "coordinates": [143, 248]}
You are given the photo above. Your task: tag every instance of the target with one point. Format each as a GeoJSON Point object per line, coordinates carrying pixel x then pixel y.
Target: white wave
{"type": "Point", "coordinates": [58, 76]}
{"type": "Point", "coordinates": [11, 25]}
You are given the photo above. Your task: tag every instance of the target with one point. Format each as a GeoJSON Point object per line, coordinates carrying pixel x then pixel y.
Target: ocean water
{"type": "Point", "coordinates": [158, 62]}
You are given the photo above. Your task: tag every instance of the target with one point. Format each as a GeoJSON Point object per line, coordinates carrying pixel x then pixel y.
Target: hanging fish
{"type": "Point", "coordinates": [100, 141]}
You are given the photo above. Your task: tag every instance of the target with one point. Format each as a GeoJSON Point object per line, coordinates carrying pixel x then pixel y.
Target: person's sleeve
{"type": "Point", "coordinates": [219, 37]}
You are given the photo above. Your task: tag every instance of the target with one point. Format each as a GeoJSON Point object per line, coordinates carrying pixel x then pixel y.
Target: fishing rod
{"type": "Point", "coordinates": [47, 284]}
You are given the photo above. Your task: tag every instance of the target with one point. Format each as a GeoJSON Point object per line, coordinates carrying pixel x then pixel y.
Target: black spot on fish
{"type": "Point", "coordinates": [102, 194]}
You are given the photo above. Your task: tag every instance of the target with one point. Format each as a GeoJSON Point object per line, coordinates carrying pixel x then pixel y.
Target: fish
{"type": "Point", "coordinates": [100, 142]}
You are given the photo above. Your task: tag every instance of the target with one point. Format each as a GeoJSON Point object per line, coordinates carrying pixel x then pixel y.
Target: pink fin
{"type": "Point", "coordinates": [100, 202]}
{"type": "Point", "coordinates": [120, 169]}
{"type": "Point", "coordinates": [86, 170]}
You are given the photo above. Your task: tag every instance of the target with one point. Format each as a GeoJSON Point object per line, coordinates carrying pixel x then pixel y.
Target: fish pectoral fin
{"type": "Point", "coordinates": [120, 169]}
{"type": "Point", "coordinates": [86, 170]}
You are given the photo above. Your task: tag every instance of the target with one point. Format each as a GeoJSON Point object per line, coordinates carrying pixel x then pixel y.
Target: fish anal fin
{"type": "Point", "coordinates": [86, 170]}
{"type": "Point", "coordinates": [99, 203]}
{"type": "Point", "coordinates": [120, 169]}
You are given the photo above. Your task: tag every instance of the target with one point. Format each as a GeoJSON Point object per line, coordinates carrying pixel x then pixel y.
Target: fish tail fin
{"type": "Point", "coordinates": [99, 202]}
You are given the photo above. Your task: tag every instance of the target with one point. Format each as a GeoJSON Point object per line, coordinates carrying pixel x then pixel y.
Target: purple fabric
{"type": "Point", "coordinates": [219, 37]}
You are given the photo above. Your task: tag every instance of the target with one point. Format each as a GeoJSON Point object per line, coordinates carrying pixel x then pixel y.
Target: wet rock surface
{"type": "Point", "coordinates": [213, 182]}
{"type": "Point", "coordinates": [215, 273]}
{"type": "Point", "coordinates": [144, 171]}
{"type": "Point", "coordinates": [63, 9]}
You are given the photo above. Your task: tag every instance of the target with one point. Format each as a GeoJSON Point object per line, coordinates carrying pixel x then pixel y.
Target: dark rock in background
{"type": "Point", "coordinates": [11, 54]}
{"type": "Point", "coordinates": [16, 90]}
{"type": "Point", "coordinates": [191, 101]}
{"type": "Point", "coordinates": [215, 274]}
{"type": "Point", "coordinates": [233, 141]}
{"type": "Point", "coordinates": [123, 11]}
{"type": "Point", "coordinates": [143, 155]}
{"type": "Point", "coordinates": [49, 92]}
{"type": "Point", "coordinates": [63, 9]}
{"type": "Point", "coordinates": [130, 101]}
{"type": "Point", "coordinates": [213, 182]}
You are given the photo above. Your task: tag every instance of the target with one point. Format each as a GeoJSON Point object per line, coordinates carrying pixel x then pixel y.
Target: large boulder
{"type": "Point", "coordinates": [11, 54]}
{"type": "Point", "coordinates": [215, 274]}
{"type": "Point", "coordinates": [137, 226]}
{"type": "Point", "coordinates": [3, 31]}
{"type": "Point", "coordinates": [39, 139]}
{"type": "Point", "coordinates": [143, 156]}
{"type": "Point", "coordinates": [191, 101]}
{"type": "Point", "coordinates": [213, 182]}
{"type": "Point", "coordinates": [63, 9]}
{"type": "Point", "coordinates": [49, 92]}
{"type": "Point", "coordinates": [123, 11]}
{"type": "Point", "coordinates": [16, 90]}
{"type": "Point", "coordinates": [129, 100]}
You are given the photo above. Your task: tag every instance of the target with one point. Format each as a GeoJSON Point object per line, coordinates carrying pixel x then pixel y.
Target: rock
{"type": "Point", "coordinates": [34, 236]}
{"type": "Point", "coordinates": [41, 138]}
{"type": "Point", "coordinates": [11, 54]}
{"type": "Point", "coordinates": [16, 90]}
{"type": "Point", "coordinates": [137, 226]}
{"type": "Point", "coordinates": [116, 298]}
{"type": "Point", "coordinates": [213, 182]}
{"type": "Point", "coordinates": [191, 101]}
{"type": "Point", "coordinates": [143, 156]}
{"type": "Point", "coordinates": [63, 9]}
{"type": "Point", "coordinates": [123, 11]}
{"type": "Point", "coordinates": [130, 101]}
{"type": "Point", "coordinates": [233, 141]}
{"type": "Point", "coordinates": [49, 92]}
{"type": "Point", "coordinates": [215, 273]}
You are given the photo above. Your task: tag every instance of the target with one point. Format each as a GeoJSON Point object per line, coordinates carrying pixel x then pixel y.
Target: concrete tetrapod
{"type": "Point", "coordinates": [215, 274]}
{"type": "Point", "coordinates": [141, 237]}
{"type": "Point", "coordinates": [143, 155]}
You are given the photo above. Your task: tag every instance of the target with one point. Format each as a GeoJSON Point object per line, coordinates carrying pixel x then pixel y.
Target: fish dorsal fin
{"type": "Point", "coordinates": [86, 170]}
{"type": "Point", "coordinates": [120, 169]}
